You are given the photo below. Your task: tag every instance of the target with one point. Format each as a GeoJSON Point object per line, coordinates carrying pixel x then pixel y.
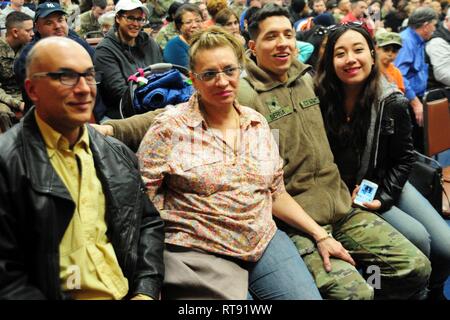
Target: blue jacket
{"type": "Point", "coordinates": [163, 89]}
{"type": "Point", "coordinates": [177, 52]}
{"type": "Point", "coordinates": [411, 62]}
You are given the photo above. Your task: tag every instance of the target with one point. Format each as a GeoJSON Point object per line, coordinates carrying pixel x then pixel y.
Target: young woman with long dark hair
{"type": "Point", "coordinates": [369, 130]}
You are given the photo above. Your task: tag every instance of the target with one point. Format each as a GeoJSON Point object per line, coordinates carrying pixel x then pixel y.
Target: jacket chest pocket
{"type": "Point", "coordinates": [200, 175]}
{"type": "Point", "coordinates": [387, 126]}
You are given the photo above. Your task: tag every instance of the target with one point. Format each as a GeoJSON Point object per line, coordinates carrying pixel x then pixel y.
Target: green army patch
{"type": "Point", "coordinates": [276, 110]}
{"type": "Point", "coordinates": [273, 105]}
{"type": "Point", "coordinates": [283, 111]}
{"type": "Point", "coordinates": [309, 102]}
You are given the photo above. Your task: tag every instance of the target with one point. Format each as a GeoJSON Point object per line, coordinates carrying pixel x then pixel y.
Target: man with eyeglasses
{"type": "Point", "coordinates": [75, 221]}
{"type": "Point", "coordinates": [50, 20]}
{"type": "Point", "coordinates": [124, 49]}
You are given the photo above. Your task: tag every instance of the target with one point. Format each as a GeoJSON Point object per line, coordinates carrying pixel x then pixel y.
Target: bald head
{"type": "Point", "coordinates": [61, 82]}
{"type": "Point", "coordinates": [53, 50]}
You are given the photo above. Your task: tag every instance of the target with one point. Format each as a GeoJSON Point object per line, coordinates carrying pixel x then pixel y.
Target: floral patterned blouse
{"type": "Point", "coordinates": [211, 197]}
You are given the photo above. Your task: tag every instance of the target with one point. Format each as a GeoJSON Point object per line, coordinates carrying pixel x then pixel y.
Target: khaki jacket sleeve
{"type": "Point", "coordinates": [131, 130]}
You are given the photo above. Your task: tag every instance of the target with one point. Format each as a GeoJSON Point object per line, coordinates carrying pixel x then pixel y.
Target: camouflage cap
{"type": "Point", "coordinates": [386, 38]}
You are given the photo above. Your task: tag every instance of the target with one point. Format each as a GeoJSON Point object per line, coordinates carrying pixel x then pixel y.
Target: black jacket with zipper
{"type": "Point", "coordinates": [393, 157]}
{"type": "Point", "coordinates": [389, 150]}
{"type": "Point", "coordinates": [36, 208]}
{"type": "Point", "coordinates": [117, 61]}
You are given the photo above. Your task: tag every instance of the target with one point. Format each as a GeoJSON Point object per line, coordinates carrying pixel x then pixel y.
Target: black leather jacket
{"type": "Point", "coordinates": [388, 156]}
{"type": "Point", "coordinates": [392, 153]}
{"type": "Point", "coordinates": [36, 208]}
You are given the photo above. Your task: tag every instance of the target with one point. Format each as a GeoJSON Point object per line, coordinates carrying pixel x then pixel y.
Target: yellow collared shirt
{"type": "Point", "coordinates": [88, 264]}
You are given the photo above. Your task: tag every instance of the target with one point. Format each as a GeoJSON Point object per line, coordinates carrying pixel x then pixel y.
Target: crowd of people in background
{"type": "Point", "coordinates": [422, 60]}
{"type": "Point", "coordinates": [244, 216]}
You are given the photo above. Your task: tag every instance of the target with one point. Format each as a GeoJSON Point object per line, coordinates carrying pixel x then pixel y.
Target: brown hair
{"type": "Point", "coordinates": [224, 15]}
{"type": "Point", "coordinates": [211, 38]}
{"type": "Point", "coordinates": [214, 6]}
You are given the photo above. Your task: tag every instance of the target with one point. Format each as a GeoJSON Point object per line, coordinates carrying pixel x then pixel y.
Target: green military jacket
{"type": "Point", "coordinates": [292, 110]}
{"type": "Point", "coordinates": [10, 94]}
{"type": "Point", "coordinates": [88, 23]}
{"type": "Point", "coordinates": [165, 34]}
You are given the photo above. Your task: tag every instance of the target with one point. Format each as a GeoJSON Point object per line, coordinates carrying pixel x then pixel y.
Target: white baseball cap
{"type": "Point", "coordinates": [128, 5]}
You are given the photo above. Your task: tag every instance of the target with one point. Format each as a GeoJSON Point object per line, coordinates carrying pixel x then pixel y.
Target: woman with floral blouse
{"type": "Point", "coordinates": [213, 170]}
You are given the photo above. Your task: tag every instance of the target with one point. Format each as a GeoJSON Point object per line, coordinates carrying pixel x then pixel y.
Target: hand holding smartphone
{"type": "Point", "coordinates": [366, 193]}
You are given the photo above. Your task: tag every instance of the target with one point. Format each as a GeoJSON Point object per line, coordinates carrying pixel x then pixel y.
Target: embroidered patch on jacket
{"type": "Point", "coordinates": [276, 110]}
{"type": "Point", "coordinates": [309, 102]}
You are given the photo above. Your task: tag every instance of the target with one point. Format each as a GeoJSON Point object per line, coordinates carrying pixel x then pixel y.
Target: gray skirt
{"type": "Point", "coordinates": [195, 274]}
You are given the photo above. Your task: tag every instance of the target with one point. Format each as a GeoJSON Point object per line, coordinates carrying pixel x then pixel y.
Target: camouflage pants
{"type": "Point", "coordinates": [7, 118]}
{"type": "Point", "coordinates": [373, 244]}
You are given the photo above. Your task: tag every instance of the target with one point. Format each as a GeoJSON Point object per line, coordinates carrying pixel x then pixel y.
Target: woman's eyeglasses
{"type": "Point", "coordinates": [230, 73]}
{"type": "Point", "coordinates": [191, 22]}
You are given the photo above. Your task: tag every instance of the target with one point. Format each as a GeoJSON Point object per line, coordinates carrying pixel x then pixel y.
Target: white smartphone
{"type": "Point", "coordinates": [366, 193]}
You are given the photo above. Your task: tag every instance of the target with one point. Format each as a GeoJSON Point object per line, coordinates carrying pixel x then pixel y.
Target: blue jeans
{"type": "Point", "coordinates": [281, 274]}
{"type": "Point", "coordinates": [418, 221]}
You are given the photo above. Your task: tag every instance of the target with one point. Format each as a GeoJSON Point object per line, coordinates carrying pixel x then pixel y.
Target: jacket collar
{"type": "Point", "coordinates": [442, 32]}
{"type": "Point", "coordinates": [262, 81]}
{"type": "Point", "coordinates": [43, 177]}
{"type": "Point", "coordinates": [369, 157]}
{"type": "Point", "coordinates": [56, 141]}
{"type": "Point", "coordinates": [40, 172]}
{"type": "Point", "coordinates": [414, 35]}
